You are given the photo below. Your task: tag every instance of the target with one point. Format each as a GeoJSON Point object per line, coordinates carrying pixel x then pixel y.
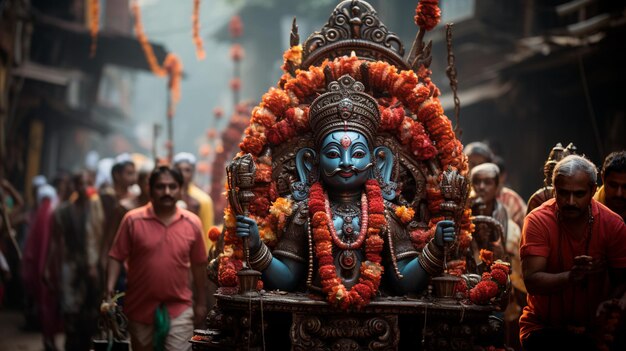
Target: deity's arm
{"type": "Point", "coordinates": [284, 268]}
{"type": "Point", "coordinates": [283, 274]}
{"type": "Point", "coordinates": [414, 276]}
{"type": "Point", "coordinates": [415, 271]}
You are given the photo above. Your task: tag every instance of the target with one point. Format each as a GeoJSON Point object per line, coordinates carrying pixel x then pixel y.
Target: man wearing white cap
{"type": "Point", "coordinates": [185, 163]}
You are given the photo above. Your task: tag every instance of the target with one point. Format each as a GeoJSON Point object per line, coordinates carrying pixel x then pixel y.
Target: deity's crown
{"type": "Point", "coordinates": [344, 107]}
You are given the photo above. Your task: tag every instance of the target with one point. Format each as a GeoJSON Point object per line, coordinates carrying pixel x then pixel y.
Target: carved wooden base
{"type": "Point", "coordinates": [344, 332]}
{"type": "Point", "coordinates": [298, 323]}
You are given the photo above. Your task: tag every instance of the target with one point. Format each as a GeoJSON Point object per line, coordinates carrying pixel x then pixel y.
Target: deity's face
{"type": "Point", "coordinates": [345, 160]}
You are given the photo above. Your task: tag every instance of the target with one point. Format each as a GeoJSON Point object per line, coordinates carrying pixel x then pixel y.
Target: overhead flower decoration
{"type": "Point", "coordinates": [174, 68]}
{"type": "Point", "coordinates": [427, 14]}
{"type": "Point", "coordinates": [205, 150]}
{"type": "Point", "coordinates": [172, 65]}
{"type": "Point", "coordinates": [235, 27]}
{"type": "Point", "coordinates": [94, 25]}
{"type": "Point", "coordinates": [236, 52]}
{"type": "Point", "coordinates": [235, 84]}
{"type": "Point", "coordinates": [197, 39]}
{"type": "Point", "coordinates": [218, 112]}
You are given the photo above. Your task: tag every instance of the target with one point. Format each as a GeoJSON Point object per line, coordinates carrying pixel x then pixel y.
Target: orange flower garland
{"type": "Point", "coordinates": [94, 25]}
{"type": "Point", "coordinates": [172, 66]}
{"type": "Point", "coordinates": [145, 44]}
{"type": "Point", "coordinates": [197, 39]}
{"type": "Point", "coordinates": [371, 269]}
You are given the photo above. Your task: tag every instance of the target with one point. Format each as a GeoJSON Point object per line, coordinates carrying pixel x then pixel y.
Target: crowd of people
{"type": "Point", "coordinates": [119, 226]}
{"type": "Point", "coordinates": [85, 224]}
{"type": "Point", "coordinates": [566, 246]}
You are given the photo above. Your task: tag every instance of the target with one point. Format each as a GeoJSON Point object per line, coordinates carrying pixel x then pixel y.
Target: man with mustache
{"type": "Point", "coordinates": [612, 193]}
{"type": "Point", "coordinates": [159, 243]}
{"type": "Point", "coordinates": [571, 246]}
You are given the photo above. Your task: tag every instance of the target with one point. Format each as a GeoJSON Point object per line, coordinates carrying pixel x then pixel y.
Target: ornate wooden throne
{"type": "Point", "coordinates": [429, 174]}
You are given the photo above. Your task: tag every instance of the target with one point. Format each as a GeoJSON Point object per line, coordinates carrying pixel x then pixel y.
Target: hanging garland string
{"type": "Point", "coordinates": [172, 65]}
{"type": "Point", "coordinates": [197, 39]}
{"type": "Point", "coordinates": [94, 25]}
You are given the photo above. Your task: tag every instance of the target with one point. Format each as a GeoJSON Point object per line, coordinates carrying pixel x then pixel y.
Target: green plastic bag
{"type": "Point", "coordinates": [161, 327]}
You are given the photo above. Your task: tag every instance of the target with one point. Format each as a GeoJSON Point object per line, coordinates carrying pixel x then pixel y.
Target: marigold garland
{"type": "Point", "coordinates": [94, 25]}
{"type": "Point", "coordinates": [371, 269]}
{"type": "Point", "coordinates": [197, 39]}
{"type": "Point", "coordinates": [172, 65]}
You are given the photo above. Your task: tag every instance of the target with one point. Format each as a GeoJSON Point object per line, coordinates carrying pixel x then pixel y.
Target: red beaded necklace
{"type": "Point", "coordinates": [333, 232]}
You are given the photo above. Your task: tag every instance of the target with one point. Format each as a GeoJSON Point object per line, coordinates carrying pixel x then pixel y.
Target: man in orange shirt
{"type": "Point", "coordinates": [569, 246]}
{"type": "Point", "coordinates": [160, 242]}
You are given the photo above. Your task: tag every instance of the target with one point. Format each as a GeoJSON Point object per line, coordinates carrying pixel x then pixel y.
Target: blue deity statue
{"type": "Point", "coordinates": [345, 157]}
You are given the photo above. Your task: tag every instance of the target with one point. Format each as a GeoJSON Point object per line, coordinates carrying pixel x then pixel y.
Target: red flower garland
{"type": "Point", "coordinates": [427, 14]}
{"type": "Point", "coordinates": [492, 284]}
{"type": "Point", "coordinates": [371, 269]}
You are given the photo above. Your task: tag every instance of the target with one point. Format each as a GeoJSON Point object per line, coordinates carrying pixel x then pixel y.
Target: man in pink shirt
{"type": "Point", "coordinates": [570, 247]}
{"type": "Point", "coordinates": [159, 243]}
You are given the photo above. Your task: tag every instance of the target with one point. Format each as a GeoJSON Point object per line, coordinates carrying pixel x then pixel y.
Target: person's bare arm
{"type": "Point", "coordinates": [113, 272]}
{"type": "Point", "coordinates": [198, 271]}
{"type": "Point", "coordinates": [540, 282]}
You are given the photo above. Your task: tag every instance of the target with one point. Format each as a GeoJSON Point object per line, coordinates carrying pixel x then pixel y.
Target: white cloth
{"type": "Point", "coordinates": [47, 191]}
{"type": "Point", "coordinates": [184, 157]}
{"type": "Point", "coordinates": [103, 174]}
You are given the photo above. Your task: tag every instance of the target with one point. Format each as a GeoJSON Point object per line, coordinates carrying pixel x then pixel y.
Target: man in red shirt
{"type": "Point", "coordinates": [571, 245]}
{"type": "Point", "coordinates": [160, 243]}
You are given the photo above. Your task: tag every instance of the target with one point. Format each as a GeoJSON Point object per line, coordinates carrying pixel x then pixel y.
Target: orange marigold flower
{"type": "Point", "coordinates": [263, 116]}
{"type": "Point", "coordinates": [214, 233]}
{"type": "Point", "coordinates": [405, 213]}
{"type": "Point", "coordinates": [235, 84]}
{"type": "Point", "coordinates": [486, 256]}
{"type": "Point", "coordinates": [252, 145]}
{"type": "Point", "coordinates": [276, 100]}
{"type": "Point", "coordinates": [236, 52]}
{"type": "Point", "coordinates": [235, 26]}
{"type": "Point", "coordinates": [427, 14]}
{"type": "Point", "coordinates": [293, 57]}
{"type": "Point", "coordinates": [282, 206]}
{"type": "Point", "coordinates": [404, 84]}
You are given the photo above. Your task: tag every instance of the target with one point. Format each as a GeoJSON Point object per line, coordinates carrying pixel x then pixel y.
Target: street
{"type": "Point", "coordinates": [13, 338]}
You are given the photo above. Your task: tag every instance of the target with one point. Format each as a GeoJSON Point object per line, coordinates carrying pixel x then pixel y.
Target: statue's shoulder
{"type": "Point", "coordinates": [300, 212]}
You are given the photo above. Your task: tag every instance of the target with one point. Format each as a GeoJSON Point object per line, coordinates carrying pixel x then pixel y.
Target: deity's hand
{"type": "Point", "coordinates": [444, 233]}
{"type": "Point", "coordinates": [247, 227]}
